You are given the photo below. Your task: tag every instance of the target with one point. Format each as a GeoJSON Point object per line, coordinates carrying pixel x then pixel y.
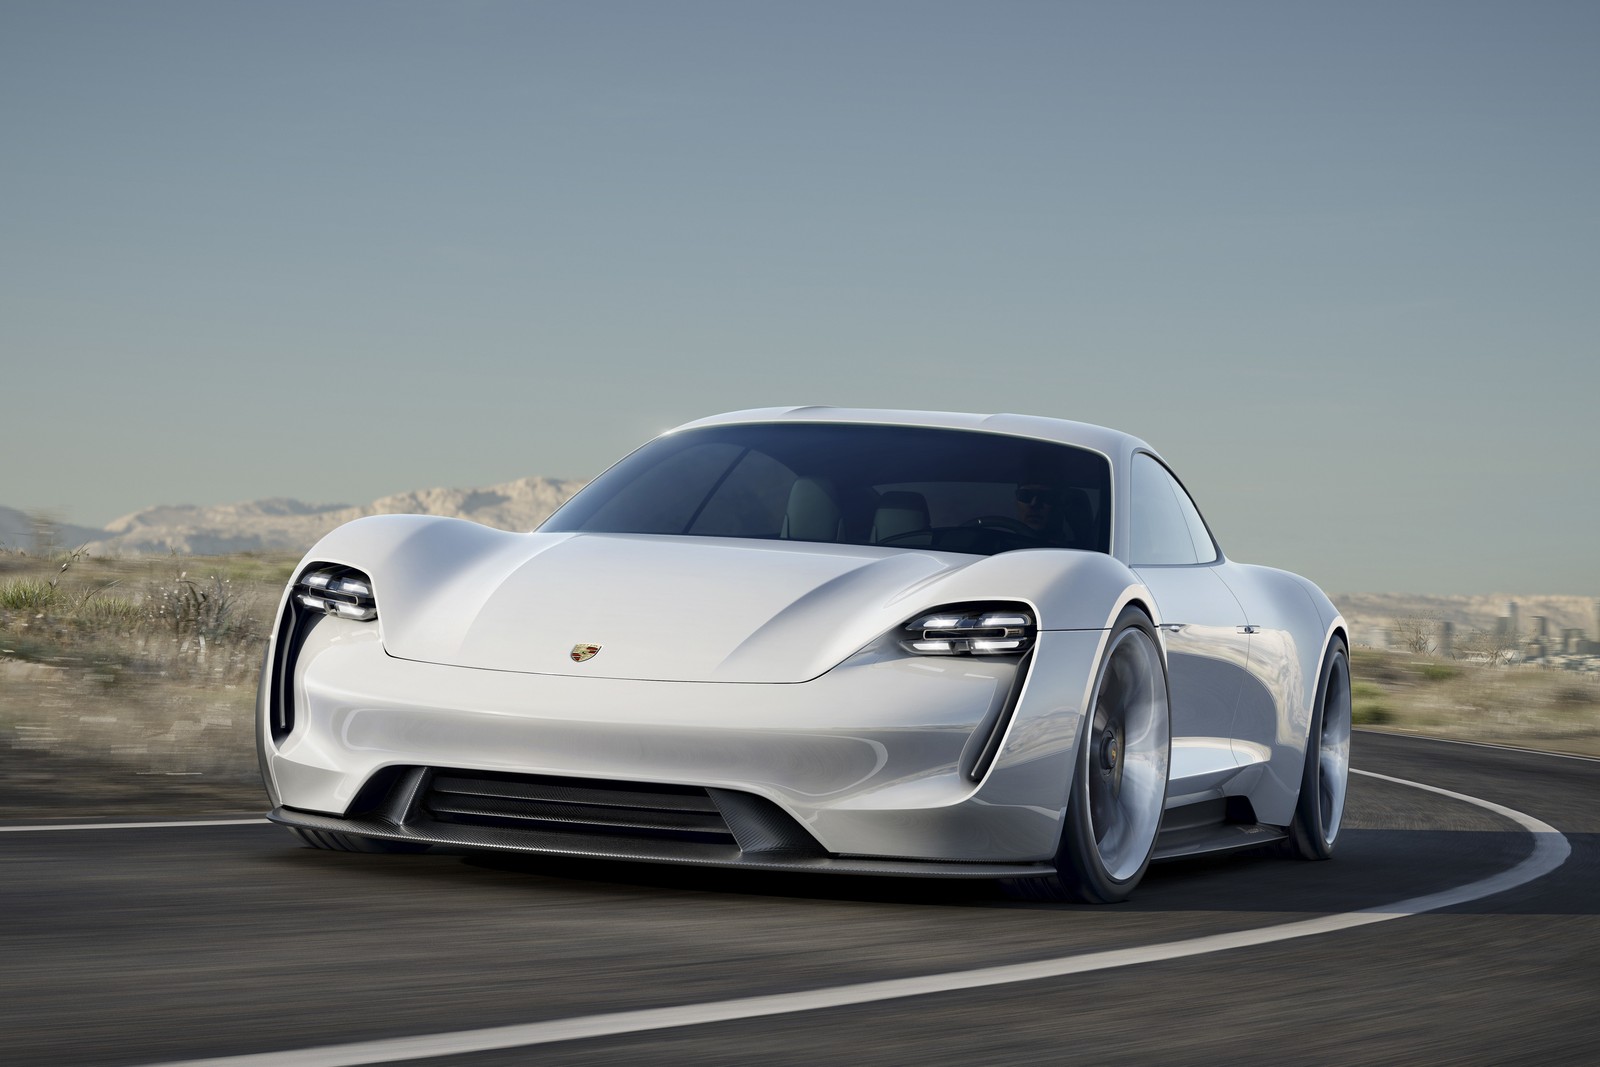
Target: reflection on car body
{"type": "Point", "coordinates": [819, 639]}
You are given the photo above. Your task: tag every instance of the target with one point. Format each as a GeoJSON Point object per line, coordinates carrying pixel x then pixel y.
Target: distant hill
{"type": "Point", "coordinates": [283, 524]}
{"type": "Point", "coordinates": [16, 531]}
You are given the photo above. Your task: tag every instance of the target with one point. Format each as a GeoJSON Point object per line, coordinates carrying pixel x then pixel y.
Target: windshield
{"type": "Point", "coordinates": [897, 486]}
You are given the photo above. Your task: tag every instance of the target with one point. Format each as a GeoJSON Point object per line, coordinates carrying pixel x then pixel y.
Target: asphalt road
{"type": "Point", "coordinates": [142, 946]}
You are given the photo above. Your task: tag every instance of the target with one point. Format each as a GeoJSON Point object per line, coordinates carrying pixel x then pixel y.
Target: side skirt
{"type": "Point", "coordinates": [1212, 827]}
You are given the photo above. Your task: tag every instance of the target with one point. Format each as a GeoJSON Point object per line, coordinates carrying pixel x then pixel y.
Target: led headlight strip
{"type": "Point", "coordinates": [971, 630]}
{"type": "Point", "coordinates": [338, 591]}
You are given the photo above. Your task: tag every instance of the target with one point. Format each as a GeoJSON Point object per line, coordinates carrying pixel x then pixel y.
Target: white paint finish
{"type": "Point", "coordinates": [1207, 655]}
{"type": "Point", "coordinates": [1550, 851]}
{"type": "Point", "coordinates": [678, 609]}
{"type": "Point", "coordinates": [673, 615]}
{"type": "Point", "coordinates": [906, 718]}
{"type": "Point", "coordinates": [1200, 764]}
{"type": "Point", "coordinates": [866, 757]}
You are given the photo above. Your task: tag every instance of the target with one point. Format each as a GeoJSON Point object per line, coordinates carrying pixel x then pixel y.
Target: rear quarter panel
{"type": "Point", "coordinates": [1294, 623]}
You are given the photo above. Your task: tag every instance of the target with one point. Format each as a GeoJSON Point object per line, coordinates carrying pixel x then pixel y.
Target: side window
{"type": "Point", "coordinates": [1205, 549]}
{"type": "Point", "coordinates": [1160, 534]}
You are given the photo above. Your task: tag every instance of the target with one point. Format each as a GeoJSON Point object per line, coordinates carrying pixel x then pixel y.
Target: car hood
{"type": "Point", "coordinates": [661, 608]}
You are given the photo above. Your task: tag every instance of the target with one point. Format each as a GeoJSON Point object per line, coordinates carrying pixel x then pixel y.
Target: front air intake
{"type": "Point", "coordinates": [575, 806]}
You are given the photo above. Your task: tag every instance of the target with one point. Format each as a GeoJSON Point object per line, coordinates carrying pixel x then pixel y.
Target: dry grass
{"type": "Point", "coordinates": [125, 683]}
{"type": "Point", "coordinates": [1519, 705]}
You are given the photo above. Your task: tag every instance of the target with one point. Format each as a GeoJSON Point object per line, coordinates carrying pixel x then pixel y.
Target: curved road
{"type": "Point", "coordinates": [139, 946]}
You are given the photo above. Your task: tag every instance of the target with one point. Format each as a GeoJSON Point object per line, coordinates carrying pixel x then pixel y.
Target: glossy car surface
{"type": "Point", "coordinates": [820, 639]}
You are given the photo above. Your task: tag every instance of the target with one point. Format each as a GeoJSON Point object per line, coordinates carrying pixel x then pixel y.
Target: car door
{"type": "Point", "coordinates": [1203, 625]}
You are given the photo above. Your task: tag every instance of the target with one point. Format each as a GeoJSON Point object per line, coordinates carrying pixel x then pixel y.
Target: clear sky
{"type": "Point", "coordinates": [1340, 263]}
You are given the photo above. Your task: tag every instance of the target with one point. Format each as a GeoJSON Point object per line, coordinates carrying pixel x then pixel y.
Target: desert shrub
{"type": "Point", "coordinates": [1371, 712]}
{"type": "Point", "coordinates": [1440, 672]}
{"type": "Point", "coordinates": [111, 612]}
{"type": "Point", "coordinates": [198, 609]}
{"type": "Point", "coordinates": [1368, 706]}
{"type": "Point", "coordinates": [30, 594]}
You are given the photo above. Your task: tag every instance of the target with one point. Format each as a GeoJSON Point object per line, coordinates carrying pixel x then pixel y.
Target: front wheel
{"type": "Point", "coordinates": [1119, 785]}
{"type": "Point", "coordinates": [1320, 810]}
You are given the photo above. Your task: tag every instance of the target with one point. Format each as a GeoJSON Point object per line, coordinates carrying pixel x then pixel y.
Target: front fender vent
{"type": "Point", "coordinates": [543, 810]}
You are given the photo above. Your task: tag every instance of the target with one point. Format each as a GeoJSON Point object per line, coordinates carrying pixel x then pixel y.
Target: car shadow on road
{"type": "Point", "coordinates": [1375, 869]}
{"type": "Point", "coordinates": [1372, 868]}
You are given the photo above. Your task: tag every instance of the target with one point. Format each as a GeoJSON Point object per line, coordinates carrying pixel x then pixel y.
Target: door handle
{"type": "Point", "coordinates": [1249, 629]}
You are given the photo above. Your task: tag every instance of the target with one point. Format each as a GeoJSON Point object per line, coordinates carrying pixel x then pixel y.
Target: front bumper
{"type": "Point", "coordinates": [870, 759]}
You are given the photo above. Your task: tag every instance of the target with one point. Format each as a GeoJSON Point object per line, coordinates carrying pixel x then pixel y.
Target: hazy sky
{"type": "Point", "coordinates": [1340, 263]}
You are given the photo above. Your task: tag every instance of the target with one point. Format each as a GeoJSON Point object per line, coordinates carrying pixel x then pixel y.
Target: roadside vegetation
{"type": "Point", "coordinates": [1519, 704]}
{"type": "Point", "coordinates": [127, 686]}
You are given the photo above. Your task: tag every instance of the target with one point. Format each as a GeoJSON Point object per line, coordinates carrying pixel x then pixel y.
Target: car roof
{"type": "Point", "coordinates": [1114, 444]}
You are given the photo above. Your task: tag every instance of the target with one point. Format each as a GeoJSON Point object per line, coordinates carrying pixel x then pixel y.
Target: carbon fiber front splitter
{"type": "Point", "coordinates": [645, 850]}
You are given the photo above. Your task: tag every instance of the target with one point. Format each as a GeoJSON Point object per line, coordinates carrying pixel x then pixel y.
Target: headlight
{"type": "Point", "coordinates": [338, 591]}
{"type": "Point", "coordinates": [324, 589]}
{"type": "Point", "coordinates": [979, 630]}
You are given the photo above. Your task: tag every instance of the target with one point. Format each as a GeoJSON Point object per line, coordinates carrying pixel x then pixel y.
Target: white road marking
{"type": "Point", "coordinates": [128, 825]}
{"type": "Point", "coordinates": [1550, 850]}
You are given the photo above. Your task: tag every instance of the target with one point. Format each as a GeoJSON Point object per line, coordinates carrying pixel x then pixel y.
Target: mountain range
{"type": "Point", "coordinates": [282, 524]}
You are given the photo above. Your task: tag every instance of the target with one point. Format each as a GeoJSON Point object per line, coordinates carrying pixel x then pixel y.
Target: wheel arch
{"type": "Point", "coordinates": [1337, 631]}
{"type": "Point", "coordinates": [1309, 836]}
{"type": "Point", "coordinates": [1077, 878]}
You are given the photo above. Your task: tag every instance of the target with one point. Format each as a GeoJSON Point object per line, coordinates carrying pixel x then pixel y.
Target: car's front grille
{"type": "Point", "coordinates": [575, 806]}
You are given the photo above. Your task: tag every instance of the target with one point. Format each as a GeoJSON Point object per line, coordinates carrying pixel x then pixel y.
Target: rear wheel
{"type": "Point", "coordinates": [1119, 785]}
{"type": "Point", "coordinates": [337, 842]}
{"type": "Point", "coordinates": [1320, 810]}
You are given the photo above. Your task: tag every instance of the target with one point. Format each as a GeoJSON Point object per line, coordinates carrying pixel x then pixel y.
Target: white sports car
{"type": "Point", "coordinates": [818, 639]}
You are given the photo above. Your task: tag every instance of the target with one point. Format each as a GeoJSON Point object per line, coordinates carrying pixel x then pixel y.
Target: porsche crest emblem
{"type": "Point", "coordinates": [581, 652]}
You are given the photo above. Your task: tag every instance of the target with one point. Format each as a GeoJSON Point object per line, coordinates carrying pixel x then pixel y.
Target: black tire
{"type": "Point", "coordinates": [337, 842]}
{"type": "Point", "coordinates": [1102, 856]}
{"type": "Point", "coordinates": [1319, 813]}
